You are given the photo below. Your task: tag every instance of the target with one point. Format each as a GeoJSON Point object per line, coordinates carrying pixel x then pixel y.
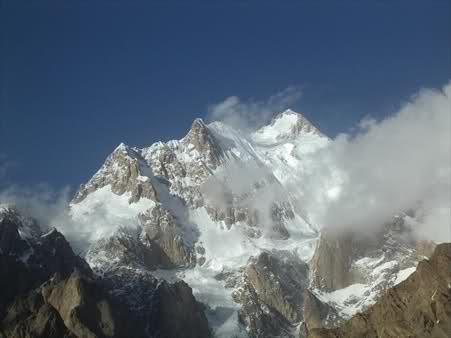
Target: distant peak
{"type": "Point", "coordinates": [198, 122]}
{"type": "Point", "coordinates": [198, 133]}
{"type": "Point", "coordinates": [289, 112]}
{"type": "Point", "coordinates": [284, 126]}
{"type": "Point", "coordinates": [203, 140]}
{"type": "Point", "coordinates": [124, 150]}
{"type": "Point", "coordinates": [122, 147]}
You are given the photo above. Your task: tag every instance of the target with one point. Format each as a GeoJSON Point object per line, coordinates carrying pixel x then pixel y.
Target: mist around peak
{"type": "Point", "coordinates": [389, 167]}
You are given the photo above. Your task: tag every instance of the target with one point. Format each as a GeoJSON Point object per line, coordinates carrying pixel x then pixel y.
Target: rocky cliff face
{"type": "Point", "coordinates": [336, 265]}
{"type": "Point", "coordinates": [418, 307]}
{"type": "Point", "coordinates": [332, 261]}
{"type": "Point", "coordinates": [269, 291]}
{"type": "Point", "coordinates": [317, 314]}
{"type": "Point", "coordinates": [51, 292]}
{"type": "Point", "coordinates": [350, 271]}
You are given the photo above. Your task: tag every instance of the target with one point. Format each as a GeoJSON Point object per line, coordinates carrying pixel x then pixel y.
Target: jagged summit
{"type": "Point", "coordinates": [122, 146]}
{"type": "Point", "coordinates": [202, 139]}
{"type": "Point", "coordinates": [124, 149]}
{"type": "Point", "coordinates": [124, 171]}
{"type": "Point", "coordinates": [288, 112]}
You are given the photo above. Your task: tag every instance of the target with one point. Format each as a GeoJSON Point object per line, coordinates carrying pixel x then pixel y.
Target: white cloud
{"type": "Point", "coordinates": [250, 114]}
{"type": "Point", "coordinates": [40, 202]}
{"type": "Point", "coordinates": [390, 166]}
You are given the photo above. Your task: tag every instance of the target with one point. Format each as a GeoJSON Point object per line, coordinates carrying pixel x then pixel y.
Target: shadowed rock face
{"type": "Point", "coordinates": [418, 307]}
{"type": "Point", "coordinates": [165, 239]}
{"type": "Point", "coordinates": [336, 252]}
{"type": "Point", "coordinates": [29, 257]}
{"type": "Point", "coordinates": [50, 292]}
{"type": "Point", "coordinates": [332, 261]}
{"type": "Point", "coordinates": [317, 314]}
{"type": "Point", "coordinates": [178, 313]}
{"type": "Point", "coordinates": [82, 305]}
{"type": "Point", "coordinates": [271, 294]}
{"type": "Point", "coordinates": [45, 287]}
{"type": "Point", "coordinates": [30, 316]}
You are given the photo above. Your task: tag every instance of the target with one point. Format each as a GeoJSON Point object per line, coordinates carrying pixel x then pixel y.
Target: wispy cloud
{"type": "Point", "coordinates": [252, 113]}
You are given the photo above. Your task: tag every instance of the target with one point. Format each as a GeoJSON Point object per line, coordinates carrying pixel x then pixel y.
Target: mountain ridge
{"type": "Point", "coordinates": [220, 214]}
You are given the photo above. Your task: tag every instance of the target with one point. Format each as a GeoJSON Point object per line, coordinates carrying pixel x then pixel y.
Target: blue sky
{"type": "Point", "coordinates": [79, 77]}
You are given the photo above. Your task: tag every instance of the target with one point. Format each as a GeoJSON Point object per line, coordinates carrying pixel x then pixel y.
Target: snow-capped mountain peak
{"type": "Point", "coordinates": [205, 207]}
{"type": "Point", "coordinates": [287, 125]}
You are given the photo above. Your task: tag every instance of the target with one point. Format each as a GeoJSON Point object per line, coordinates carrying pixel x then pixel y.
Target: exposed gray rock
{"type": "Point", "coordinates": [128, 246]}
{"type": "Point", "coordinates": [317, 314]}
{"type": "Point", "coordinates": [271, 294]}
{"type": "Point", "coordinates": [165, 238]}
{"type": "Point", "coordinates": [331, 262]}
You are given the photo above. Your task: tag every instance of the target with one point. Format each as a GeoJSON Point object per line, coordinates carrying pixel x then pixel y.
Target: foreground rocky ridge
{"type": "Point", "coordinates": [418, 307]}
{"type": "Point", "coordinates": [51, 292]}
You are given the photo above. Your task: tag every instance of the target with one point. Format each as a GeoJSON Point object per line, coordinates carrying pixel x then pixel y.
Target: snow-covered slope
{"type": "Point", "coordinates": [201, 209]}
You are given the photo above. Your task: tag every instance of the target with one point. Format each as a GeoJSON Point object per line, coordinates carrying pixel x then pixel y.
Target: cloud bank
{"type": "Point", "coordinates": [391, 166]}
{"type": "Point", "coordinates": [40, 202]}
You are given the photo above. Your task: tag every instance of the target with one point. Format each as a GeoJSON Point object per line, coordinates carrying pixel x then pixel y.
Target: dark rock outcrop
{"type": "Point", "coordinates": [178, 313]}
{"type": "Point", "coordinates": [418, 307]}
{"type": "Point", "coordinates": [29, 257]}
{"type": "Point", "coordinates": [48, 291]}
{"type": "Point", "coordinates": [317, 314]}
{"type": "Point", "coordinates": [30, 316]}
